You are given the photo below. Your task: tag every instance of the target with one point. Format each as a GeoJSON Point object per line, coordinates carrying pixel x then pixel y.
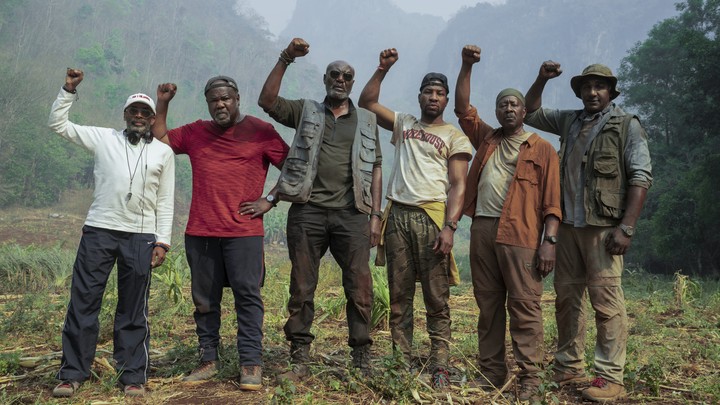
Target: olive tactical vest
{"type": "Point", "coordinates": [605, 181]}
{"type": "Point", "coordinates": [300, 168]}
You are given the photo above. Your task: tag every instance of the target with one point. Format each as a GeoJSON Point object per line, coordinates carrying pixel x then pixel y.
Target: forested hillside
{"type": "Point", "coordinates": [124, 47]}
{"type": "Point", "coordinates": [667, 75]}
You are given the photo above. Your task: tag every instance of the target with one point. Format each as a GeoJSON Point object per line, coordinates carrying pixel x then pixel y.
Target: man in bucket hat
{"type": "Point", "coordinates": [605, 173]}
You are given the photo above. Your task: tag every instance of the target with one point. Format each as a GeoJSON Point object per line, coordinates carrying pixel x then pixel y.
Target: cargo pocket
{"type": "Point", "coordinates": [294, 172]}
{"type": "Point", "coordinates": [610, 204]}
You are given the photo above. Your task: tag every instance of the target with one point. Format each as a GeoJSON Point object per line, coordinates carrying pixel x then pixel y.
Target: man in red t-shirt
{"type": "Point", "coordinates": [230, 156]}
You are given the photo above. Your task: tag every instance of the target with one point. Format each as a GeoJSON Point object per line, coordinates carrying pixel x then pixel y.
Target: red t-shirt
{"type": "Point", "coordinates": [229, 166]}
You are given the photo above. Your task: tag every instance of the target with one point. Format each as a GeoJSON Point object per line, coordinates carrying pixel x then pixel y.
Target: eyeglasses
{"type": "Point", "coordinates": [144, 112]}
{"type": "Point", "coordinates": [335, 74]}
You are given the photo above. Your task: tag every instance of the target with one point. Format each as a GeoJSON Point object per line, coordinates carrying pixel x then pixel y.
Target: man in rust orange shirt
{"type": "Point", "coordinates": [513, 196]}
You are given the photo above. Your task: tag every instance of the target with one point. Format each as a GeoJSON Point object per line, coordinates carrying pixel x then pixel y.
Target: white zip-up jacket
{"type": "Point", "coordinates": [151, 166]}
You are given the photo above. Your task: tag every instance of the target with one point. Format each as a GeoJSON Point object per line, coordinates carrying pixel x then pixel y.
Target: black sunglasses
{"type": "Point", "coordinates": [144, 112]}
{"type": "Point", "coordinates": [346, 76]}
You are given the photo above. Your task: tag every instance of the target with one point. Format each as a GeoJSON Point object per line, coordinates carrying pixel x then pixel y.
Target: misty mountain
{"type": "Point", "coordinates": [515, 37]}
{"type": "Point", "coordinates": [518, 36]}
{"type": "Point", "coordinates": [356, 31]}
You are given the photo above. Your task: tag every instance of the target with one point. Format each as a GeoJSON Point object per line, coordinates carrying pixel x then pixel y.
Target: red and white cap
{"type": "Point", "coordinates": [140, 98]}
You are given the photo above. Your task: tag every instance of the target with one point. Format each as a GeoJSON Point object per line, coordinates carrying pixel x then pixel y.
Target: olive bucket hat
{"type": "Point", "coordinates": [598, 70]}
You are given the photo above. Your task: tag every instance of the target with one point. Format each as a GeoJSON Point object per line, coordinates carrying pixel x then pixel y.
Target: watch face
{"type": "Point", "coordinates": [627, 230]}
{"type": "Point", "coordinates": [270, 198]}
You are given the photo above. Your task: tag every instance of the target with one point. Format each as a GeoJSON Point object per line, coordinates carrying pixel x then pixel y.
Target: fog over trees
{"type": "Point", "coordinates": [666, 75]}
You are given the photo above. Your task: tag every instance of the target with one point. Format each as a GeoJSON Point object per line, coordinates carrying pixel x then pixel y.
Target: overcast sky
{"type": "Point", "coordinates": [277, 12]}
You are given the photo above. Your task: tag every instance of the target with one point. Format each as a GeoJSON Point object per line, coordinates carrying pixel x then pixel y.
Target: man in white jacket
{"type": "Point", "coordinates": [129, 223]}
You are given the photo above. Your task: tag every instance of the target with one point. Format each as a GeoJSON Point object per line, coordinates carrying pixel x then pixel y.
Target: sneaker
{"type": "Point", "coordinates": [602, 390]}
{"type": "Point", "coordinates": [440, 379]}
{"type": "Point", "coordinates": [134, 390]}
{"type": "Point", "coordinates": [65, 389]}
{"type": "Point", "coordinates": [205, 371]}
{"type": "Point", "coordinates": [251, 378]}
{"type": "Point", "coordinates": [562, 379]}
{"type": "Point", "coordinates": [361, 358]}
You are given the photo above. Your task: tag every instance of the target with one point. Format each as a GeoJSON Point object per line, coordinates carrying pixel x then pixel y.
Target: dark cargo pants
{"type": "Point", "coordinates": [311, 230]}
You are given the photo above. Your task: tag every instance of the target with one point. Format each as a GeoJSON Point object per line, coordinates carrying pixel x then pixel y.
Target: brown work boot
{"type": "Point", "coordinates": [205, 371]}
{"type": "Point", "coordinates": [602, 390]}
{"type": "Point", "coordinates": [251, 378]}
{"type": "Point", "coordinates": [528, 392]}
{"type": "Point", "coordinates": [361, 358]}
{"type": "Point", "coordinates": [562, 379]}
{"type": "Point", "coordinates": [299, 359]}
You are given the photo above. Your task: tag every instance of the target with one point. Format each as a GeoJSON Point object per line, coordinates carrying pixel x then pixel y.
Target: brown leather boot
{"type": "Point", "coordinates": [602, 390]}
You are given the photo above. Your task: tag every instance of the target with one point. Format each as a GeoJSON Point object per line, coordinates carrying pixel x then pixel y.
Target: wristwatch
{"type": "Point", "coordinates": [452, 225]}
{"type": "Point", "coordinates": [552, 239]}
{"type": "Point", "coordinates": [627, 230]}
{"type": "Point", "coordinates": [271, 199]}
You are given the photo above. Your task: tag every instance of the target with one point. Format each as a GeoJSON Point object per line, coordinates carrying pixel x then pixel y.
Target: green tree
{"type": "Point", "coordinates": [671, 80]}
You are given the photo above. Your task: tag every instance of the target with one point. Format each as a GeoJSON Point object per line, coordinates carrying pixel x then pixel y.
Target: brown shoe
{"type": "Point", "coordinates": [134, 390]}
{"type": "Point", "coordinates": [562, 379]}
{"type": "Point", "coordinates": [528, 392]}
{"type": "Point", "coordinates": [485, 384]}
{"type": "Point", "coordinates": [251, 378]}
{"type": "Point", "coordinates": [602, 390]}
{"type": "Point", "coordinates": [295, 374]}
{"type": "Point", "coordinates": [65, 389]}
{"type": "Point", "coordinates": [205, 371]}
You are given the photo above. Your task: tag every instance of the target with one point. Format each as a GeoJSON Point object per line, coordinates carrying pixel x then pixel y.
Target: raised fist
{"type": "Point", "coordinates": [297, 48]}
{"type": "Point", "coordinates": [166, 91]}
{"type": "Point", "coordinates": [550, 70]}
{"type": "Point", "coordinates": [470, 54]}
{"type": "Point", "coordinates": [73, 78]}
{"type": "Point", "coordinates": [388, 57]}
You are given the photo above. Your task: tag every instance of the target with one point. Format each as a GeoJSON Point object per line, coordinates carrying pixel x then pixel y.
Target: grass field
{"type": "Point", "coordinates": [673, 351]}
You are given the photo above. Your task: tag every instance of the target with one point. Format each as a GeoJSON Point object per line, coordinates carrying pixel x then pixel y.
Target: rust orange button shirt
{"type": "Point", "coordinates": [534, 192]}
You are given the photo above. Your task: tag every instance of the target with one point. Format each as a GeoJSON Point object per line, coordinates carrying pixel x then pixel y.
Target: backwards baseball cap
{"type": "Point", "coordinates": [140, 98]}
{"type": "Point", "coordinates": [598, 70]}
{"type": "Point", "coordinates": [220, 81]}
{"type": "Point", "coordinates": [437, 79]}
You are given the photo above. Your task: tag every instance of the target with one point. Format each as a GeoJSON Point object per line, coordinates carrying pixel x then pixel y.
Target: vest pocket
{"type": "Point", "coordinates": [367, 147]}
{"type": "Point", "coordinates": [293, 174]}
{"type": "Point", "coordinates": [366, 187]}
{"type": "Point", "coordinates": [606, 164]}
{"type": "Point", "coordinates": [610, 204]}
